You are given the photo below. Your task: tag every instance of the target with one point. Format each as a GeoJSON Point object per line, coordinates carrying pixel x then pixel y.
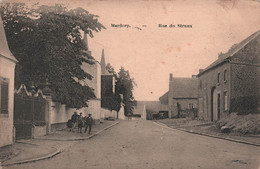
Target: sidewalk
{"type": "Point", "coordinates": [208, 129]}
{"type": "Point", "coordinates": [24, 151]}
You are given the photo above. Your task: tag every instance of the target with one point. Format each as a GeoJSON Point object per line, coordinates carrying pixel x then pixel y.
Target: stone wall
{"type": "Point", "coordinates": [208, 82]}
{"type": "Point", "coordinates": [245, 89]}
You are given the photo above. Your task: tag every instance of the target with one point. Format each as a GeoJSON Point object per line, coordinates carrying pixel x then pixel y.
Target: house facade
{"type": "Point", "coordinates": [7, 67]}
{"type": "Point", "coordinates": [182, 97]}
{"type": "Point", "coordinates": [231, 83]}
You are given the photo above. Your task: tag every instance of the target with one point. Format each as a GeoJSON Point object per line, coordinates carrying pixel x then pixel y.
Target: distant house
{"type": "Point", "coordinates": [140, 111]}
{"type": "Point", "coordinates": [163, 104]}
{"type": "Point", "coordinates": [182, 97]}
{"type": "Point", "coordinates": [7, 67]}
{"type": "Point", "coordinates": [232, 82]}
{"type": "Point", "coordinates": [146, 109]}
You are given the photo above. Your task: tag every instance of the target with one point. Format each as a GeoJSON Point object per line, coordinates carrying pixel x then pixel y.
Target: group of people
{"type": "Point", "coordinates": [81, 121]}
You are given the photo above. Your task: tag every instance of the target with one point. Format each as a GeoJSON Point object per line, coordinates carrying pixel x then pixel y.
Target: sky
{"type": "Point", "coordinates": [152, 53]}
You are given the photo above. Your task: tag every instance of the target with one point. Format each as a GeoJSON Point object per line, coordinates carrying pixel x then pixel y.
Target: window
{"type": "Point", "coordinates": [205, 105]}
{"type": "Point", "coordinates": [218, 79]}
{"type": "Point", "coordinates": [200, 84]}
{"type": "Point", "coordinates": [4, 85]}
{"type": "Point", "coordinates": [225, 101]}
{"type": "Point", "coordinates": [190, 106]}
{"type": "Point", "coordinates": [225, 75]}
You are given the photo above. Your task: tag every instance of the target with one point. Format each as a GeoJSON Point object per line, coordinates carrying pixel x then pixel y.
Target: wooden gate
{"type": "Point", "coordinates": [29, 111]}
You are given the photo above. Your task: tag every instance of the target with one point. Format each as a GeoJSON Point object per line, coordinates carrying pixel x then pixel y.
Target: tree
{"type": "Point", "coordinates": [110, 100]}
{"type": "Point", "coordinates": [125, 85]}
{"type": "Point", "coordinates": [110, 69]}
{"type": "Point", "coordinates": [47, 42]}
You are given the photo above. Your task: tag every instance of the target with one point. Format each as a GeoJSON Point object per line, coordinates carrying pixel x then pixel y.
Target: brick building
{"type": "Point", "coordinates": [231, 83]}
{"type": "Point", "coordinates": [7, 66]}
{"type": "Point", "coordinates": [182, 97]}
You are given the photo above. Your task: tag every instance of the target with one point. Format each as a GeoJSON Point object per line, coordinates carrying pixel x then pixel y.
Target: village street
{"type": "Point", "coordinates": [144, 144]}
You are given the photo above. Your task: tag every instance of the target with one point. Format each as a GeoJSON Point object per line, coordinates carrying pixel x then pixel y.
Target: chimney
{"type": "Point", "coordinates": [170, 79]}
{"type": "Point", "coordinates": [170, 82]}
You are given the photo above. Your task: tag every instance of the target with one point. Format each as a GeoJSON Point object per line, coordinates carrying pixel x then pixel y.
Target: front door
{"type": "Point", "coordinates": [218, 115]}
{"type": "Point", "coordinates": [214, 104]}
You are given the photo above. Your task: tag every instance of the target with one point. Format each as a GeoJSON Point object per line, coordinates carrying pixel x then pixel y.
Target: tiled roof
{"type": "Point", "coordinates": [150, 105]}
{"type": "Point", "coordinates": [223, 57]}
{"type": "Point", "coordinates": [4, 49]}
{"type": "Point", "coordinates": [185, 87]}
{"type": "Point", "coordinates": [164, 98]}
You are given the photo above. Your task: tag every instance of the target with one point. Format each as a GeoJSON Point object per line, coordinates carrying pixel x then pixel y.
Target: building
{"type": "Point", "coordinates": [182, 98]}
{"type": "Point", "coordinates": [7, 67]}
{"type": "Point", "coordinates": [163, 105]}
{"type": "Point", "coordinates": [107, 86]}
{"type": "Point", "coordinates": [231, 83]}
{"type": "Point", "coordinates": [140, 111]}
{"type": "Point", "coordinates": [94, 105]}
{"type": "Point", "coordinates": [150, 107]}
{"type": "Point", "coordinates": [58, 114]}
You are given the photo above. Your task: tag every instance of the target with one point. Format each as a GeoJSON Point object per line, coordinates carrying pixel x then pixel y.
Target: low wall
{"type": "Point", "coordinates": [108, 113]}
{"type": "Point", "coordinates": [58, 126]}
{"type": "Point", "coordinates": [39, 131]}
{"type": "Point", "coordinates": [59, 114]}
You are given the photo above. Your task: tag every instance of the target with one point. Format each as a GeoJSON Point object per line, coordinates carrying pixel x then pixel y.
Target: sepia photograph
{"type": "Point", "coordinates": [130, 84]}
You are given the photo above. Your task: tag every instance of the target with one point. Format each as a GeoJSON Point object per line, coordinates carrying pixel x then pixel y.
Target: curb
{"type": "Point", "coordinates": [58, 151]}
{"type": "Point", "coordinates": [78, 139]}
{"type": "Point", "coordinates": [208, 135]}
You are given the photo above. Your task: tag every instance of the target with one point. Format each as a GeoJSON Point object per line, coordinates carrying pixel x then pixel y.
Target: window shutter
{"type": "Point", "coordinates": [4, 96]}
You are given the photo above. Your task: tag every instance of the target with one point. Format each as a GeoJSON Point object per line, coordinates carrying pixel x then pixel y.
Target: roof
{"type": "Point", "coordinates": [185, 87]}
{"type": "Point", "coordinates": [150, 105]}
{"type": "Point", "coordinates": [233, 50]}
{"type": "Point", "coordinates": [164, 98]}
{"type": "Point", "coordinates": [4, 49]}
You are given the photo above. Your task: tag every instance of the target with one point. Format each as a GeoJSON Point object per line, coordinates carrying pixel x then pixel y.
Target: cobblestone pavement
{"type": "Point", "coordinates": [143, 144]}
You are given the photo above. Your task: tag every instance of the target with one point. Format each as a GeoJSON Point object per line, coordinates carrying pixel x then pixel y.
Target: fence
{"type": "Point", "coordinates": [29, 112]}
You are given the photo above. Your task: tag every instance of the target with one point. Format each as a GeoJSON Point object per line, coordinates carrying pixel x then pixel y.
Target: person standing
{"type": "Point", "coordinates": [74, 119]}
{"type": "Point", "coordinates": [80, 122]}
{"type": "Point", "coordinates": [89, 122]}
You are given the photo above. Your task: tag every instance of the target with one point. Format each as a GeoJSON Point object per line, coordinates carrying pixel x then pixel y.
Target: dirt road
{"type": "Point", "coordinates": [143, 144]}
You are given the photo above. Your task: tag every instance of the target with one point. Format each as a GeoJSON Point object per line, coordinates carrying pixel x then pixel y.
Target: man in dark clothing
{"type": "Point", "coordinates": [74, 119]}
{"type": "Point", "coordinates": [80, 122]}
{"type": "Point", "coordinates": [89, 122]}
